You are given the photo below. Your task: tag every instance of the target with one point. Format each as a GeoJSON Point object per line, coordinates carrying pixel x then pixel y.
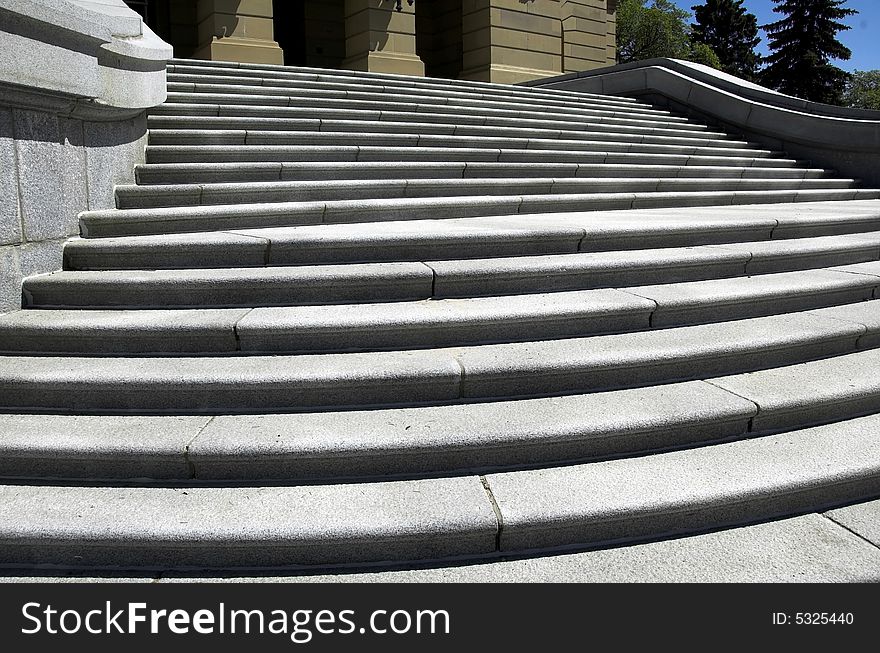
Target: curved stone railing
{"type": "Point", "coordinates": [92, 59]}
{"type": "Point", "coordinates": [844, 139]}
{"type": "Point", "coordinates": [76, 79]}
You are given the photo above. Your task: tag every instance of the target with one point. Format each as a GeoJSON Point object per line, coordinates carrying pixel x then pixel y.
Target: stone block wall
{"type": "Point", "coordinates": [510, 41]}
{"type": "Point", "coordinates": [53, 167]}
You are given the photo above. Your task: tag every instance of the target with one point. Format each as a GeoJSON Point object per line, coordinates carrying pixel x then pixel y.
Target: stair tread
{"type": "Point", "coordinates": [344, 320]}
{"type": "Point", "coordinates": [223, 217]}
{"type": "Point", "coordinates": [300, 382]}
{"type": "Point", "coordinates": [687, 491]}
{"type": "Point", "coordinates": [219, 526]}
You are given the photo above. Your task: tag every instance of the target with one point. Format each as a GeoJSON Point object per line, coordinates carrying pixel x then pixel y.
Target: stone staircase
{"type": "Point", "coordinates": [348, 321]}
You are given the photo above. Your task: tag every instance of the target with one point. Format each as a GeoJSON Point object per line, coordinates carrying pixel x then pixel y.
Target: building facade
{"type": "Point", "coordinates": [503, 41]}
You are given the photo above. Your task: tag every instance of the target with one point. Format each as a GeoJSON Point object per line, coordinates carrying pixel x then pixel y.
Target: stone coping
{"type": "Point", "coordinates": [89, 59]}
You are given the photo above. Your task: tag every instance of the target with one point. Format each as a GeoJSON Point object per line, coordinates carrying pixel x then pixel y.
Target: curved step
{"type": "Point", "coordinates": [432, 323]}
{"type": "Point", "coordinates": [234, 130]}
{"type": "Point", "coordinates": [222, 527]}
{"type": "Point", "coordinates": [212, 85]}
{"type": "Point", "coordinates": [251, 73]}
{"type": "Point", "coordinates": [714, 266]}
{"type": "Point", "coordinates": [164, 195]}
{"type": "Point", "coordinates": [135, 222]}
{"type": "Point", "coordinates": [296, 383]}
{"type": "Point", "coordinates": [369, 147]}
{"type": "Point", "coordinates": [605, 502]}
{"type": "Point", "coordinates": [689, 491]}
{"type": "Point", "coordinates": [810, 548]}
{"type": "Point", "coordinates": [231, 286]}
{"type": "Point", "coordinates": [414, 103]}
{"type": "Point", "coordinates": [527, 235]}
{"type": "Point", "coordinates": [493, 276]}
{"type": "Point", "coordinates": [391, 111]}
{"type": "Point", "coordinates": [203, 173]}
{"type": "Point", "coordinates": [303, 154]}
{"type": "Point", "coordinates": [352, 444]}
{"type": "Point", "coordinates": [288, 127]}
{"type": "Point", "coordinates": [439, 439]}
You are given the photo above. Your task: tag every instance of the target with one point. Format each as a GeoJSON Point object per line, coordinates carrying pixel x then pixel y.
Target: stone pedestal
{"type": "Point", "coordinates": [380, 39]}
{"type": "Point", "coordinates": [237, 30]}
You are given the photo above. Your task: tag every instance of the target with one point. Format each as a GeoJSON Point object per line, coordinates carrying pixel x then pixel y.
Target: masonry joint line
{"type": "Point", "coordinates": [496, 509]}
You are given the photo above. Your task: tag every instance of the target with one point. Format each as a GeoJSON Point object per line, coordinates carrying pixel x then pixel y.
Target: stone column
{"type": "Point", "coordinates": [237, 30]}
{"type": "Point", "coordinates": [511, 41]}
{"type": "Point", "coordinates": [589, 28]}
{"type": "Point", "coordinates": [380, 39]}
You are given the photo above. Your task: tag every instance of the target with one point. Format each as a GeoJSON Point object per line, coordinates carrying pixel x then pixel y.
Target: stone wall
{"type": "Point", "coordinates": [76, 80]}
{"type": "Point", "coordinates": [510, 41]}
{"type": "Point", "coordinates": [52, 167]}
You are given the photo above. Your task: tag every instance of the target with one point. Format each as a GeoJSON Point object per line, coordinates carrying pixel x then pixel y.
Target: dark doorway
{"type": "Point", "coordinates": [438, 37]}
{"type": "Point", "coordinates": [311, 32]}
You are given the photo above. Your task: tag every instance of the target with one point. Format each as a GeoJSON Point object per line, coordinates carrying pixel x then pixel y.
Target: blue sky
{"type": "Point", "coordinates": [863, 39]}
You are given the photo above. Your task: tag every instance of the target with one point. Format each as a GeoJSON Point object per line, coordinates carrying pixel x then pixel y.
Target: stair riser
{"type": "Point", "coordinates": [394, 135]}
{"type": "Point", "coordinates": [144, 197]}
{"type": "Point", "coordinates": [237, 173]}
{"type": "Point", "coordinates": [369, 154]}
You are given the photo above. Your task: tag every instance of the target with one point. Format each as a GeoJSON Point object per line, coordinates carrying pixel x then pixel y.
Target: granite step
{"type": "Point", "coordinates": [355, 321]}
{"type": "Point", "coordinates": [299, 131]}
{"type": "Point", "coordinates": [299, 154]}
{"type": "Point", "coordinates": [408, 280]}
{"type": "Point", "coordinates": [811, 548]}
{"type": "Point", "coordinates": [176, 195]}
{"type": "Point", "coordinates": [252, 74]}
{"type": "Point", "coordinates": [486, 237]}
{"type": "Point", "coordinates": [465, 438]}
{"type": "Point", "coordinates": [414, 103]}
{"type": "Point", "coordinates": [633, 499]}
{"type": "Point", "coordinates": [370, 89]}
{"type": "Point", "coordinates": [138, 222]}
{"type": "Point", "coordinates": [392, 112]}
{"type": "Point", "coordinates": [214, 385]}
{"type": "Point", "coordinates": [206, 173]}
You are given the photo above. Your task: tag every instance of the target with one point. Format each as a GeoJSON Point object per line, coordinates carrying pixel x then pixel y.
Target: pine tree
{"type": "Point", "coordinates": [803, 43]}
{"type": "Point", "coordinates": [731, 32]}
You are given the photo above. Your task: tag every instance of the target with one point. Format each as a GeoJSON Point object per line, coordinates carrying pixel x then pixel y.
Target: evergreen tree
{"type": "Point", "coordinates": [803, 43]}
{"type": "Point", "coordinates": [731, 32]}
